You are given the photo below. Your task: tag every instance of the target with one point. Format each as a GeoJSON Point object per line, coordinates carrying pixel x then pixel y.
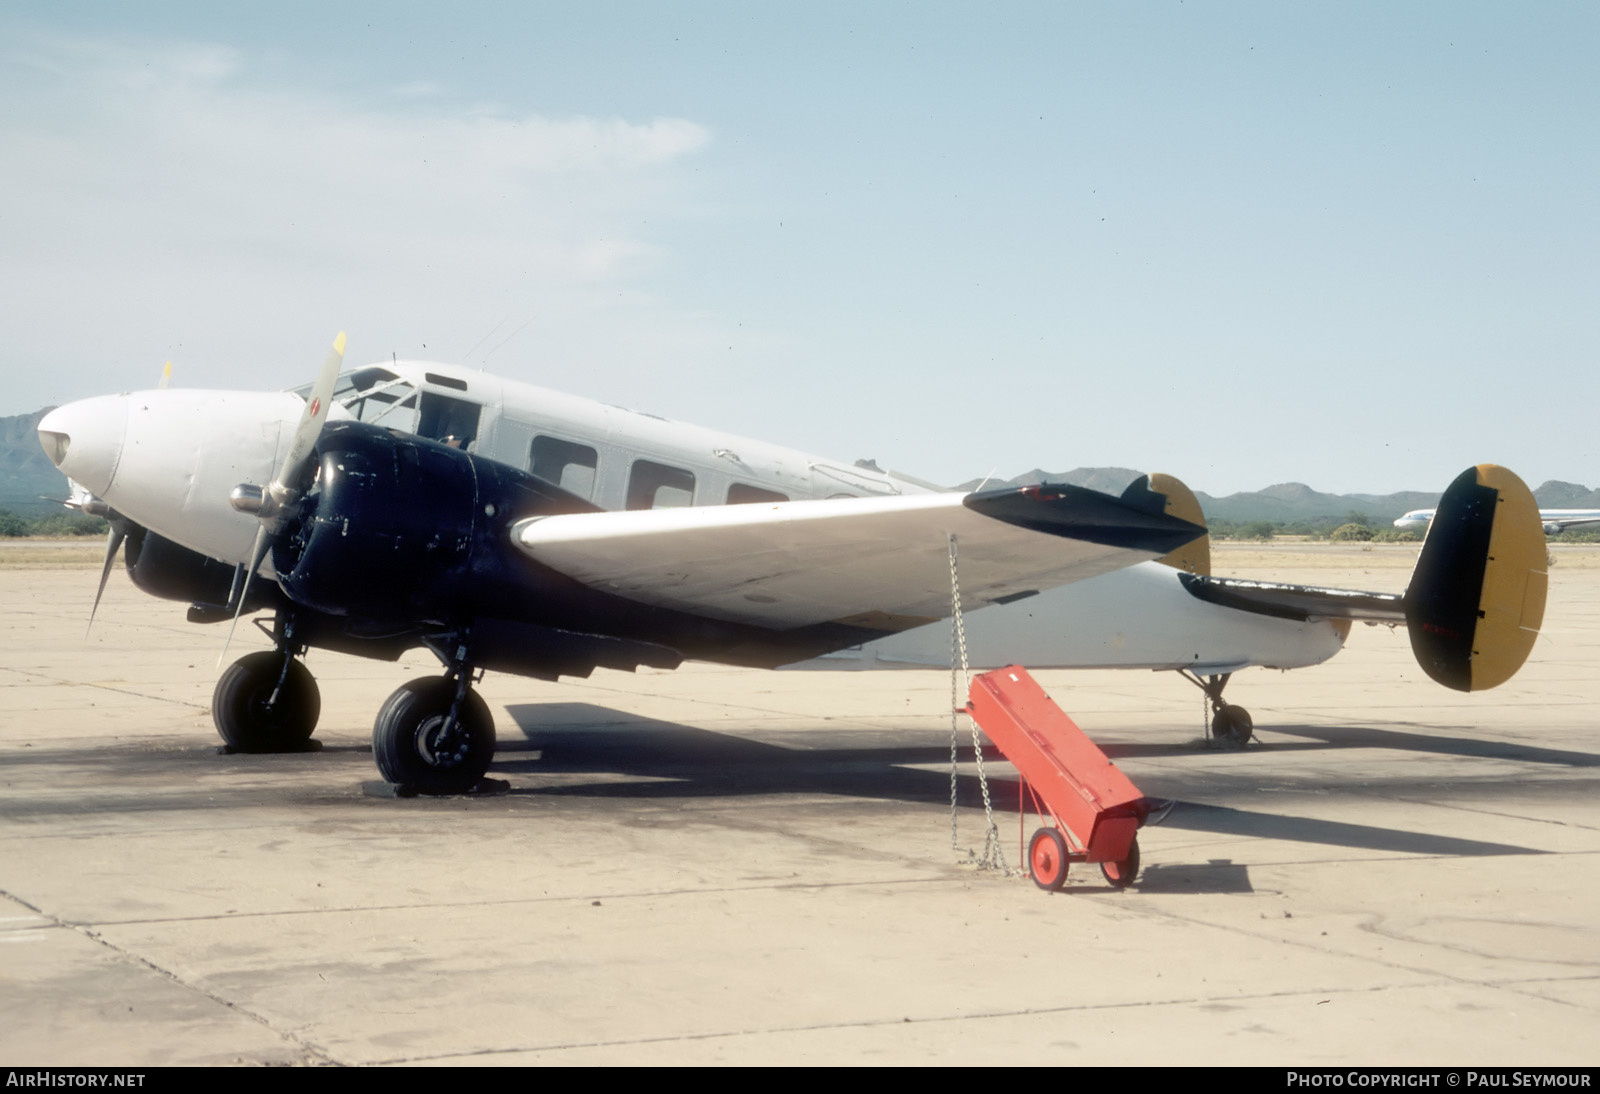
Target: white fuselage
{"type": "Point", "coordinates": [168, 459]}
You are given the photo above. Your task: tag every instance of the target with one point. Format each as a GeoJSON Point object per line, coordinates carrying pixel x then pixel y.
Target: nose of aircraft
{"type": "Point", "coordinates": [84, 439]}
{"type": "Point", "coordinates": [168, 459]}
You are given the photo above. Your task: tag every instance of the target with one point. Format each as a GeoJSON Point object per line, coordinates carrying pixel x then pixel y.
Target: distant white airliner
{"type": "Point", "coordinates": [1555, 521]}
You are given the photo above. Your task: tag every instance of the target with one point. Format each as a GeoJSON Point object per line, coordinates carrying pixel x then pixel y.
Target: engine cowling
{"type": "Point", "coordinates": [401, 530]}
{"type": "Point", "coordinates": [171, 571]}
{"type": "Point", "coordinates": [387, 530]}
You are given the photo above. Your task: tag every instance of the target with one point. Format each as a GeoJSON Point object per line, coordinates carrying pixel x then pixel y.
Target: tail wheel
{"type": "Point", "coordinates": [1232, 726]}
{"type": "Point", "coordinates": [1047, 859]}
{"type": "Point", "coordinates": [247, 716]}
{"type": "Point", "coordinates": [414, 744]}
{"type": "Point", "coordinates": [1120, 875]}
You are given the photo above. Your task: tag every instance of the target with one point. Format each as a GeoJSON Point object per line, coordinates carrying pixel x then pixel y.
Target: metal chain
{"type": "Point", "coordinates": [993, 858]}
{"type": "Point", "coordinates": [956, 634]}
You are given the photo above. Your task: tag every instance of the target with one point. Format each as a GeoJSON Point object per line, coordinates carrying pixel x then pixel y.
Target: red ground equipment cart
{"type": "Point", "coordinates": [1094, 808]}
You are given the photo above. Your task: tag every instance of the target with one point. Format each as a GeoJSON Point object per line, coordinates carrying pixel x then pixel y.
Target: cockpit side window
{"type": "Point", "coordinates": [452, 421]}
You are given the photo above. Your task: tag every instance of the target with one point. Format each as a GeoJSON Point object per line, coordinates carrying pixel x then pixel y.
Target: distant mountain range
{"type": "Point", "coordinates": [27, 477]}
{"type": "Point", "coordinates": [25, 472]}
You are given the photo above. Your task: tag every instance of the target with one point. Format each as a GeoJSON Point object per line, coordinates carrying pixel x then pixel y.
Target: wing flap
{"type": "Point", "coordinates": [879, 562]}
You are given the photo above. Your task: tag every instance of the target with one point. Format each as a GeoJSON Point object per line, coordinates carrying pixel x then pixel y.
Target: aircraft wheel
{"type": "Point", "coordinates": [1047, 859]}
{"type": "Point", "coordinates": [243, 716]}
{"type": "Point", "coordinates": [412, 748]}
{"type": "Point", "coordinates": [1120, 875]}
{"type": "Point", "coordinates": [1232, 726]}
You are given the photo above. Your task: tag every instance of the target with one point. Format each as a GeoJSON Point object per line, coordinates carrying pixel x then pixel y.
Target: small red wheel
{"type": "Point", "coordinates": [1120, 875]}
{"type": "Point", "coordinates": [1047, 859]}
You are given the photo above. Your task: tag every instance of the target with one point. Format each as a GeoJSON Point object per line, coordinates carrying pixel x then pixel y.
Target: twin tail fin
{"type": "Point", "coordinates": [1476, 598]}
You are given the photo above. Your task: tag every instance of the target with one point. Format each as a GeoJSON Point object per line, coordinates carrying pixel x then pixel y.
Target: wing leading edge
{"type": "Point", "coordinates": [877, 563]}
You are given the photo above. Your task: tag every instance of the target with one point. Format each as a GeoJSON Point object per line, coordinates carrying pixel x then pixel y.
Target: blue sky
{"type": "Point", "coordinates": [1352, 245]}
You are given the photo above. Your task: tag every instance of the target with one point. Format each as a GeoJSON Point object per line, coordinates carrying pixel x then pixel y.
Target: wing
{"type": "Point", "coordinates": [879, 563]}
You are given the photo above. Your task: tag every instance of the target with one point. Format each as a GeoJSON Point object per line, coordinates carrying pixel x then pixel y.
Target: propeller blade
{"type": "Point", "coordinates": [166, 376]}
{"type": "Point", "coordinates": [285, 489]}
{"type": "Point", "coordinates": [310, 427]}
{"type": "Point", "coordinates": [258, 552]}
{"type": "Point", "coordinates": [113, 542]}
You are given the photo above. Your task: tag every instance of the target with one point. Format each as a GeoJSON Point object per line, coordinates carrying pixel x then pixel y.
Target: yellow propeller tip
{"type": "Point", "coordinates": [338, 344]}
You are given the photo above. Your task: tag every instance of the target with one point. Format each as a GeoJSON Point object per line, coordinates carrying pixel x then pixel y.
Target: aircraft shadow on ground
{"type": "Point", "coordinates": [1222, 820]}
{"type": "Point", "coordinates": [679, 761]}
{"type": "Point", "coordinates": [684, 761]}
{"type": "Point", "coordinates": [1323, 738]}
{"type": "Point", "coordinates": [1405, 741]}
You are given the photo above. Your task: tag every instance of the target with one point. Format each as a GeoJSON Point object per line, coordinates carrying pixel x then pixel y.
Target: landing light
{"type": "Point", "coordinates": [55, 445]}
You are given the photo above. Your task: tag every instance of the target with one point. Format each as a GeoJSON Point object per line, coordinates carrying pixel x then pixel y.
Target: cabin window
{"type": "Point", "coordinates": [452, 421]}
{"type": "Point", "coordinates": [656, 486]}
{"type": "Point", "coordinates": [740, 494]}
{"type": "Point", "coordinates": [566, 464]}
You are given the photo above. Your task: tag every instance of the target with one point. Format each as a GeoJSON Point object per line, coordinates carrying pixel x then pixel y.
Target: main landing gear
{"type": "Point", "coordinates": [1231, 726]}
{"type": "Point", "coordinates": [268, 701]}
{"type": "Point", "coordinates": [435, 735]}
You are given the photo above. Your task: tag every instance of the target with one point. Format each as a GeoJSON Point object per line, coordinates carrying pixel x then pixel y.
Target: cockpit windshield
{"type": "Point", "coordinates": [375, 395]}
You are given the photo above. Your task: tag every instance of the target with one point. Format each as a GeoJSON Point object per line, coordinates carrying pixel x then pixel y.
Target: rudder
{"type": "Point", "coordinates": [1476, 598]}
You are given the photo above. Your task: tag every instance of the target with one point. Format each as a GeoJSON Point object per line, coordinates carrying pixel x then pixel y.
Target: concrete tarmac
{"type": "Point", "coordinates": [729, 866]}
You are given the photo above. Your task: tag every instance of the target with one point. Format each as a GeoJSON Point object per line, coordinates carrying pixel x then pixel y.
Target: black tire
{"type": "Point", "coordinates": [242, 716]}
{"type": "Point", "coordinates": [1232, 727]}
{"type": "Point", "coordinates": [1047, 859]}
{"type": "Point", "coordinates": [406, 745]}
{"type": "Point", "coordinates": [1120, 875]}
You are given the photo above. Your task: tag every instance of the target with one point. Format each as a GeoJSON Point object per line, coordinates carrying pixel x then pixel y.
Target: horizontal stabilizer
{"type": "Point", "coordinates": [1299, 602]}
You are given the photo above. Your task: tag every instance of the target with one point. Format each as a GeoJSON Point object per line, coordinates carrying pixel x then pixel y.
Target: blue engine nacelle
{"type": "Point", "coordinates": [405, 530]}
{"type": "Point", "coordinates": [387, 528]}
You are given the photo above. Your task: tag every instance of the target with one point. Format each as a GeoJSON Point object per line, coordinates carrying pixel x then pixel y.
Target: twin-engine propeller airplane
{"type": "Point", "coordinates": [508, 527]}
